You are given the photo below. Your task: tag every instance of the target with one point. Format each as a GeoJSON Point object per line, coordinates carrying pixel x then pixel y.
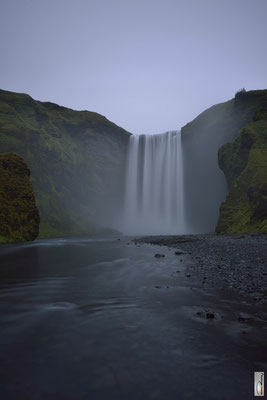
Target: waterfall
{"type": "Point", "coordinates": [154, 195]}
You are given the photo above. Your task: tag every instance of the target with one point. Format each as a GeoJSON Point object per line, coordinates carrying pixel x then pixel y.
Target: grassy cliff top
{"type": "Point", "coordinates": [241, 107]}
{"type": "Point", "coordinates": [38, 113]}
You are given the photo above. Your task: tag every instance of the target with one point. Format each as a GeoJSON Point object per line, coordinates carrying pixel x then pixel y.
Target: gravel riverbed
{"type": "Point", "coordinates": [237, 263]}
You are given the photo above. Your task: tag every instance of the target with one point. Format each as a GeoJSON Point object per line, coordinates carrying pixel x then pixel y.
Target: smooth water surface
{"type": "Point", "coordinates": [105, 319]}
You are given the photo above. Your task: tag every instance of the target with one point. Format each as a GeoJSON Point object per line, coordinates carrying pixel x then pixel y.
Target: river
{"type": "Point", "coordinates": [104, 319]}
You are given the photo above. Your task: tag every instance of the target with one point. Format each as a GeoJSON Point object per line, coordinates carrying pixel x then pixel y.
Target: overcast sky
{"type": "Point", "coordinates": [147, 65]}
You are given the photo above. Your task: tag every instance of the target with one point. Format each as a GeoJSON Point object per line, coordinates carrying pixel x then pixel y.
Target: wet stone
{"type": "Point", "coordinates": [243, 317]}
{"type": "Point", "coordinates": [157, 255]}
{"type": "Point", "coordinates": [208, 314]}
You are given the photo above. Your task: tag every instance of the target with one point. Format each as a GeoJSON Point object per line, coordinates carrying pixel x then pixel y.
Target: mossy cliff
{"type": "Point", "coordinates": [244, 163]}
{"type": "Point", "coordinates": [19, 216]}
{"type": "Point", "coordinates": [76, 160]}
{"type": "Point", "coordinates": [205, 183]}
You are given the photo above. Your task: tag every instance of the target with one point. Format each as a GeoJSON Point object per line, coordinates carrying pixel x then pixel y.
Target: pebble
{"type": "Point", "coordinates": [225, 263]}
{"type": "Point", "coordinates": [157, 255]}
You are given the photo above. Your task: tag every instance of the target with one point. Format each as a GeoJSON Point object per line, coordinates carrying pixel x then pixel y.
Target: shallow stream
{"type": "Point", "coordinates": [105, 319]}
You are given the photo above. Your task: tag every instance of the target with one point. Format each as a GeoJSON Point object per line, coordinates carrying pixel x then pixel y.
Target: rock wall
{"type": "Point", "coordinates": [205, 184]}
{"type": "Point", "coordinates": [244, 163]}
{"type": "Point", "coordinates": [76, 158]}
{"type": "Point", "coordinates": [19, 215]}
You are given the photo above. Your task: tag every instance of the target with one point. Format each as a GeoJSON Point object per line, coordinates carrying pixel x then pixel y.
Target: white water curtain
{"type": "Point", "coordinates": [154, 193]}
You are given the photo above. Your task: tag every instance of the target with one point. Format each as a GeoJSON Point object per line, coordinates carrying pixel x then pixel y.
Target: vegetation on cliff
{"type": "Point", "coordinates": [19, 216]}
{"type": "Point", "coordinates": [76, 159]}
{"type": "Point", "coordinates": [244, 163]}
{"type": "Point", "coordinates": [205, 185]}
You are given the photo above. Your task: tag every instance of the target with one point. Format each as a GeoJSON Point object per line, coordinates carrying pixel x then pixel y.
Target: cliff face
{"type": "Point", "coordinates": [19, 216]}
{"type": "Point", "coordinates": [244, 163]}
{"type": "Point", "coordinates": [76, 159]}
{"type": "Point", "coordinates": [205, 184]}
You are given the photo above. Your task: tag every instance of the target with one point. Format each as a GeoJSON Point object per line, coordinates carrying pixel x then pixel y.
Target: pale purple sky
{"type": "Point", "coordinates": [147, 65]}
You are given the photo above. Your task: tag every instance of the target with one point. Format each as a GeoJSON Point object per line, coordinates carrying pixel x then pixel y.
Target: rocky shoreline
{"type": "Point", "coordinates": [237, 263]}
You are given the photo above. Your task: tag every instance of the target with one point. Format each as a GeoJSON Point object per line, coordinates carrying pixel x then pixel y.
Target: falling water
{"type": "Point", "coordinates": [154, 185]}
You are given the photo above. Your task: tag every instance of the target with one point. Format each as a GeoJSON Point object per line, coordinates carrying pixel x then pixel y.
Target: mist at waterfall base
{"type": "Point", "coordinates": [154, 187]}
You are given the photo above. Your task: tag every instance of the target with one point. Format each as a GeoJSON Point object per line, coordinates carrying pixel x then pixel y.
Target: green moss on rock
{"type": "Point", "coordinates": [204, 184]}
{"type": "Point", "coordinates": [19, 216]}
{"type": "Point", "coordinates": [76, 159]}
{"type": "Point", "coordinates": [244, 163]}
